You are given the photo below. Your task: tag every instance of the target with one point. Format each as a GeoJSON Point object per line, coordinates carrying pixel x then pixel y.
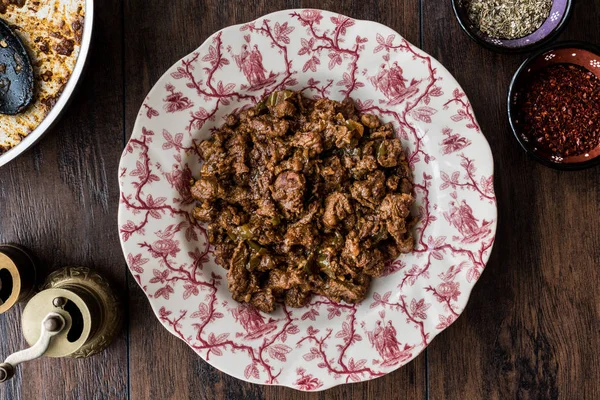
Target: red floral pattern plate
{"type": "Point", "coordinates": [323, 344]}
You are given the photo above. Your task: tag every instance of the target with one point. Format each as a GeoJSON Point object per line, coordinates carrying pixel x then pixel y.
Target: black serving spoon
{"type": "Point", "coordinates": [16, 73]}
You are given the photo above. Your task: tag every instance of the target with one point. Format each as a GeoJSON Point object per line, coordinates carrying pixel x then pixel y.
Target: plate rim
{"type": "Point", "coordinates": [489, 157]}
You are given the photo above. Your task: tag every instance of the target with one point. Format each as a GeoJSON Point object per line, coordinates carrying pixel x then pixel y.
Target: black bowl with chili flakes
{"type": "Point", "coordinates": [554, 106]}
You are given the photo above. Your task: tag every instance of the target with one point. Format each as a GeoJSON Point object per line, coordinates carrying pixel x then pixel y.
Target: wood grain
{"type": "Point", "coordinates": [530, 330]}
{"type": "Point", "coordinates": [184, 25]}
{"type": "Point", "coordinates": [60, 199]}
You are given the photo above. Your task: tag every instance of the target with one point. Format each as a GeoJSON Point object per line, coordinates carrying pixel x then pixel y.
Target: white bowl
{"type": "Point", "coordinates": [64, 98]}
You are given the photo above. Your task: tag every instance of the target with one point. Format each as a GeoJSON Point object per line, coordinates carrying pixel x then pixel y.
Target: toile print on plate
{"type": "Point", "coordinates": [325, 343]}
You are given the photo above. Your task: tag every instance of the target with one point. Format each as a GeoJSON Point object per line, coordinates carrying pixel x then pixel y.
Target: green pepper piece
{"type": "Point", "coordinates": [231, 236]}
{"type": "Point", "coordinates": [323, 260]}
{"type": "Point", "coordinates": [261, 105]}
{"type": "Point", "coordinates": [355, 126]}
{"type": "Point", "coordinates": [325, 265]}
{"type": "Point", "coordinates": [272, 99]}
{"type": "Point", "coordinates": [275, 220]}
{"type": "Point", "coordinates": [255, 259]}
{"type": "Point", "coordinates": [253, 263]}
{"type": "Point", "coordinates": [279, 97]}
{"type": "Point", "coordinates": [310, 262]}
{"type": "Point", "coordinates": [381, 150]}
{"type": "Point", "coordinates": [284, 95]}
{"type": "Point", "coordinates": [255, 246]}
{"type": "Point", "coordinates": [245, 232]}
{"type": "Point", "coordinates": [338, 239]}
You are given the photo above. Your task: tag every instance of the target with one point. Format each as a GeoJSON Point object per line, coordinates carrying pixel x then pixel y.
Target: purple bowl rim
{"type": "Point", "coordinates": [543, 41]}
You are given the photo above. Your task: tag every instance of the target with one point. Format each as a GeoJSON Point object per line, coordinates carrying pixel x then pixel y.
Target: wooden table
{"type": "Point", "coordinates": [531, 329]}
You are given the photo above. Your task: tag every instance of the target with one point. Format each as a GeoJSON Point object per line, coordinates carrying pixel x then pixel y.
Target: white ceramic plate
{"type": "Point", "coordinates": [323, 344]}
{"type": "Point", "coordinates": [63, 99]}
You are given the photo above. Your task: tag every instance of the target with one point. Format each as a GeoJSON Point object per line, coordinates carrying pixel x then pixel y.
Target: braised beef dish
{"type": "Point", "coordinates": [303, 196]}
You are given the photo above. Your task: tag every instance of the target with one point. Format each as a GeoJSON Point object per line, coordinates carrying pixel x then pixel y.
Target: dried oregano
{"type": "Point", "coordinates": [508, 19]}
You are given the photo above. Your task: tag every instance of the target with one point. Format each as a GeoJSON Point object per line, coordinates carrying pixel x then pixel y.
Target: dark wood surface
{"type": "Point", "coordinates": [531, 329]}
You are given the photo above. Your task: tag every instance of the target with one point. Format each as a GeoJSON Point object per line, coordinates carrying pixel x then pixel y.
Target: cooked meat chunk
{"type": "Point", "coordinates": [406, 245]}
{"type": "Point", "coordinates": [301, 234]}
{"type": "Point", "coordinates": [351, 246]}
{"type": "Point", "coordinates": [207, 190]}
{"type": "Point", "coordinates": [323, 110]}
{"type": "Point", "coordinates": [223, 254]}
{"type": "Point", "coordinates": [288, 190]}
{"type": "Point", "coordinates": [372, 263]}
{"type": "Point", "coordinates": [372, 226]}
{"type": "Point", "coordinates": [204, 213]}
{"type": "Point", "coordinates": [209, 148]}
{"type": "Point", "coordinates": [303, 196]}
{"type": "Point", "coordinates": [239, 195]}
{"type": "Point", "coordinates": [370, 191]}
{"type": "Point", "coordinates": [266, 208]}
{"type": "Point", "coordinates": [264, 300]}
{"type": "Point", "coordinates": [284, 280]}
{"type": "Point", "coordinates": [346, 291]}
{"type": "Point", "coordinates": [231, 120]}
{"type": "Point", "coordinates": [348, 136]}
{"type": "Point", "coordinates": [266, 234]}
{"type": "Point", "coordinates": [284, 109]}
{"type": "Point", "coordinates": [267, 126]}
{"type": "Point", "coordinates": [267, 263]}
{"type": "Point", "coordinates": [406, 186]}
{"type": "Point", "coordinates": [393, 182]}
{"type": "Point", "coordinates": [238, 277]}
{"type": "Point", "coordinates": [334, 174]}
{"type": "Point", "coordinates": [394, 209]}
{"type": "Point", "coordinates": [230, 216]}
{"type": "Point", "coordinates": [293, 164]}
{"type": "Point", "coordinates": [385, 131]}
{"type": "Point", "coordinates": [297, 296]}
{"type": "Point", "coordinates": [261, 182]}
{"type": "Point", "coordinates": [364, 166]}
{"type": "Point", "coordinates": [347, 109]}
{"type": "Point", "coordinates": [311, 141]}
{"type": "Point", "coordinates": [238, 151]}
{"type": "Point", "coordinates": [370, 121]}
{"type": "Point", "coordinates": [390, 153]}
{"type": "Point", "coordinates": [337, 207]}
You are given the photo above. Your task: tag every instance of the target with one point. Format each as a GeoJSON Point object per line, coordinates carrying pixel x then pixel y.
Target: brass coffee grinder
{"type": "Point", "coordinates": [75, 313]}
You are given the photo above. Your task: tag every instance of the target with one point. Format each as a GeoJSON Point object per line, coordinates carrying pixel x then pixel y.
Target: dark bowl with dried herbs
{"type": "Point", "coordinates": [507, 26]}
{"type": "Point", "coordinates": [554, 106]}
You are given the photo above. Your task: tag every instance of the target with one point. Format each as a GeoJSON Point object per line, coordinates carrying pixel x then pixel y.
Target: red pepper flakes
{"type": "Point", "coordinates": [560, 110]}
